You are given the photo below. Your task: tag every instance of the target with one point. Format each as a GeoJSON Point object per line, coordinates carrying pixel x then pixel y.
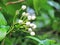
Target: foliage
{"type": "Point", "coordinates": [29, 22]}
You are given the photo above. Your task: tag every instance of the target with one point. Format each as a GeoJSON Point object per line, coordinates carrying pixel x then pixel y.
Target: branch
{"type": "Point", "coordinates": [9, 3]}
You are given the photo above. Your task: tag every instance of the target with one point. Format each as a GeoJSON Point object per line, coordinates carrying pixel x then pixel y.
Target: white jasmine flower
{"type": "Point", "coordinates": [32, 33]}
{"type": "Point", "coordinates": [29, 17]}
{"type": "Point", "coordinates": [28, 23]}
{"type": "Point", "coordinates": [20, 21]}
{"type": "Point", "coordinates": [23, 7]}
{"type": "Point", "coordinates": [33, 17]}
{"type": "Point", "coordinates": [30, 29]}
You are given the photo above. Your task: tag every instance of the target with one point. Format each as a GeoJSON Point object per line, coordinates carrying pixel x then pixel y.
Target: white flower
{"type": "Point", "coordinates": [23, 7]}
{"type": "Point", "coordinates": [29, 17]}
{"type": "Point", "coordinates": [25, 14]}
{"type": "Point", "coordinates": [33, 25]}
{"type": "Point", "coordinates": [28, 23]}
{"type": "Point", "coordinates": [20, 21]}
{"type": "Point", "coordinates": [30, 29]}
{"type": "Point", "coordinates": [32, 33]}
{"type": "Point", "coordinates": [33, 17]}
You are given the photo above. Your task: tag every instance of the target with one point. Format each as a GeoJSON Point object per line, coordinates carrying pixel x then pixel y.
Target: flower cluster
{"type": "Point", "coordinates": [31, 27]}
{"type": "Point", "coordinates": [26, 19]}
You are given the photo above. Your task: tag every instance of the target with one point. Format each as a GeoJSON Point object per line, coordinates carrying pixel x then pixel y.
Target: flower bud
{"type": "Point", "coordinates": [17, 12]}
{"type": "Point", "coordinates": [29, 17]}
{"type": "Point", "coordinates": [23, 7]}
{"type": "Point", "coordinates": [33, 25]}
{"type": "Point", "coordinates": [20, 21]}
{"type": "Point", "coordinates": [32, 33]}
{"type": "Point", "coordinates": [28, 23]}
{"type": "Point", "coordinates": [30, 29]}
{"type": "Point", "coordinates": [33, 17]}
{"type": "Point", "coordinates": [24, 13]}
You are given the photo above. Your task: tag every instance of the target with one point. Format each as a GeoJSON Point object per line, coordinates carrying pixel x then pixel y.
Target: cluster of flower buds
{"type": "Point", "coordinates": [30, 26]}
{"type": "Point", "coordinates": [30, 17]}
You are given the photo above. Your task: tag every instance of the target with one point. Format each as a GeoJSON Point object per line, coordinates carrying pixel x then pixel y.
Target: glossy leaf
{"type": "Point", "coordinates": [2, 19]}
{"type": "Point", "coordinates": [54, 4]}
{"type": "Point", "coordinates": [3, 31]}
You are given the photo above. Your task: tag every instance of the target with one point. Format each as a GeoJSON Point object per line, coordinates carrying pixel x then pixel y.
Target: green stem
{"type": "Point", "coordinates": [21, 17]}
{"type": "Point", "coordinates": [24, 18]}
{"type": "Point", "coordinates": [12, 27]}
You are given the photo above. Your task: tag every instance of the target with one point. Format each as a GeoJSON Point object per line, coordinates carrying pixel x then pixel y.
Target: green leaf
{"type": "Point", "coordinates": [51, 13]}
{"type": "Point", "coordinates": [43, 42]}
{"type": "Point", "coordinates": [34, 38]}
{"type": "Point", "coordinates": [54, 4]}
{"type": "Point", "coordinates": [36, 5]}
{"type": "Point", "coordinates": [9, 41]}
{"type": "Point", "coordinates": [3, 31]}
{"type": "Point", "coordinates": [40, 5]}
{"type": "Point", "coordinates": [2, 20]}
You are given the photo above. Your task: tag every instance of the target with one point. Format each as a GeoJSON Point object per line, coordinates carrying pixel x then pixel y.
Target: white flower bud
{"type": "Point", "coordinates": [27, 14]}
{"type": "Point", "coordinates": [32, 33]}
{"type": "Point", "coordinates": [20, 21]}
{"type": "Point", "coordinates": [30, 29]}
{"type": "Point", "coordinates": [29, 17]}
{"type": "Point", "coordinates": [24, 13]}
{"type": "Point", "coordinates": [23, 7]}
{"type": "Point", "coordinates": [33, 17]}
{"type": "Point", "coordinates": [28, 23]}
{"type": "Point", "coordinates": [33, 25]}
